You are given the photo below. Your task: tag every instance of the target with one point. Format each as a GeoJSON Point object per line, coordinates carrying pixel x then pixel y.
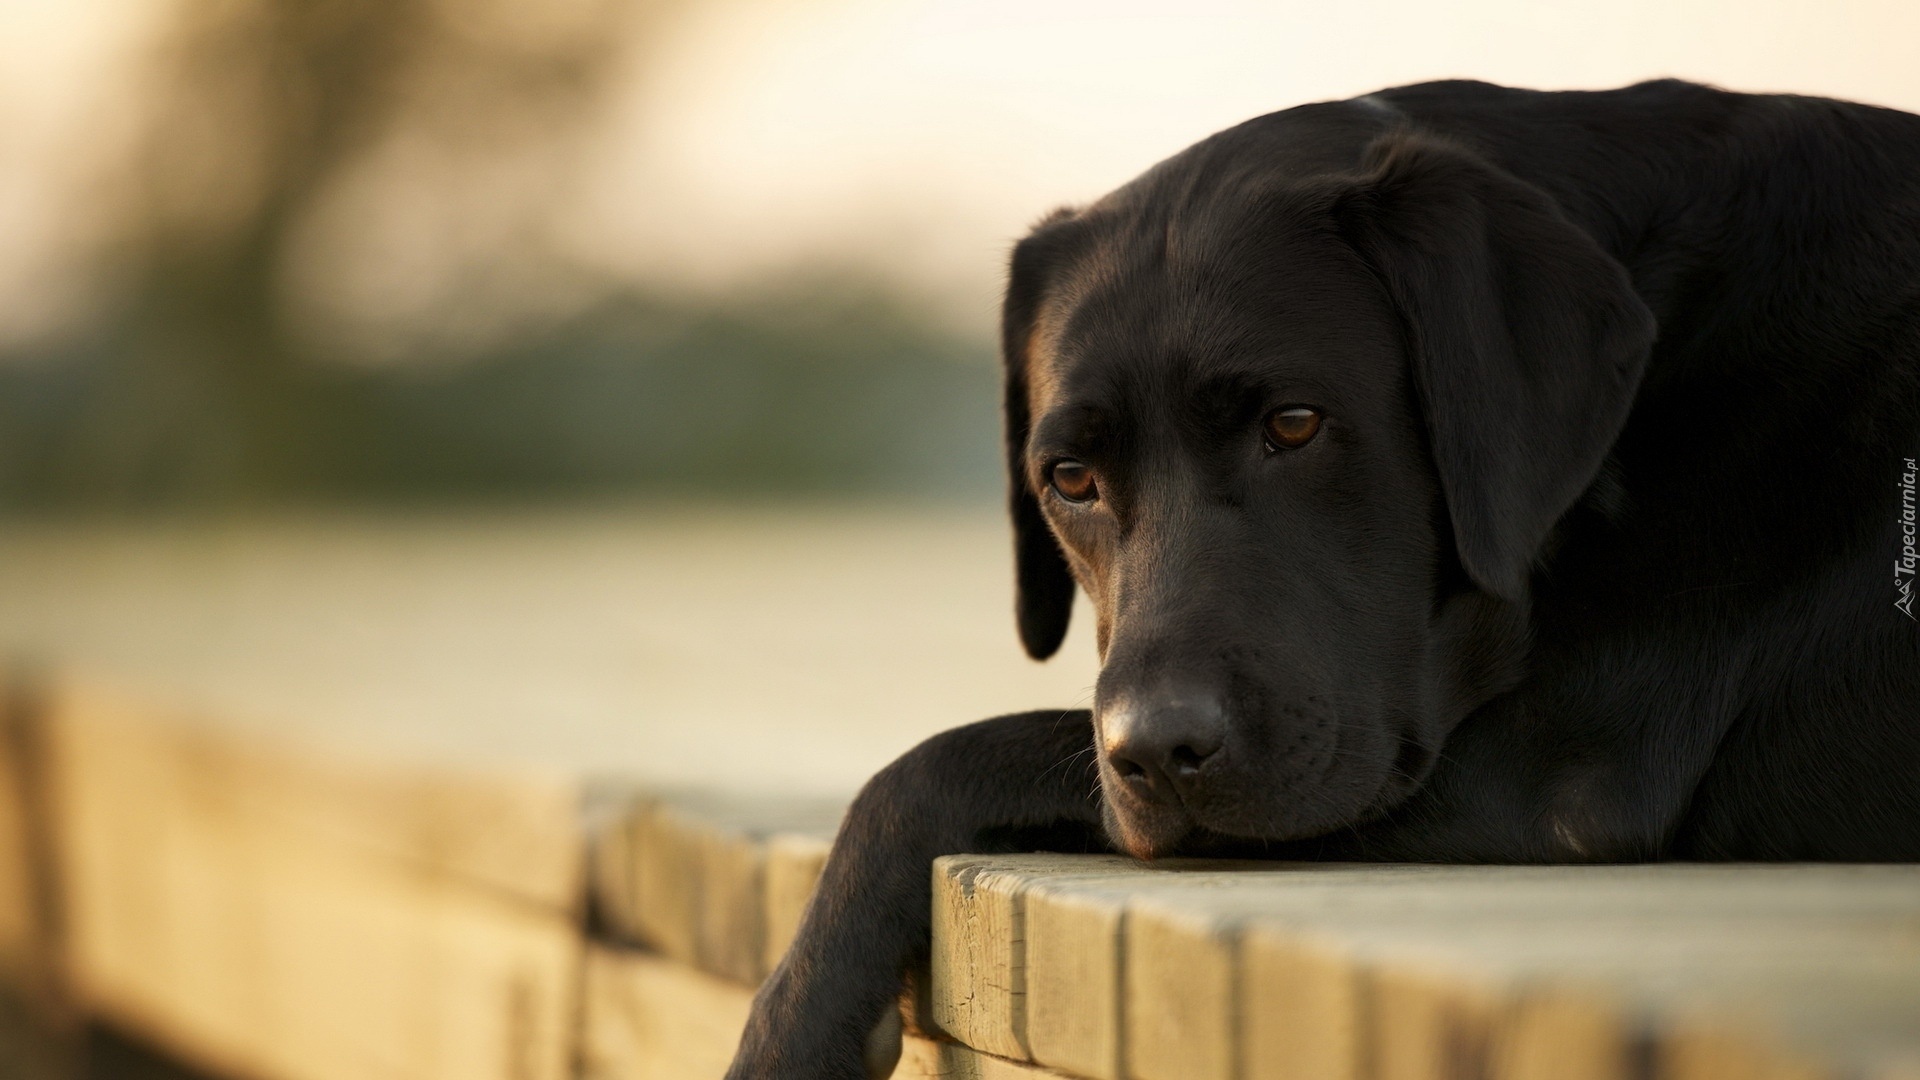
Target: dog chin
{"type": "Point", "coordinates": [1146, 834]}
{"type": "Point", "coordinates": [1146, 831]}
{"type": "Point", "coordinates": [1158, 832]}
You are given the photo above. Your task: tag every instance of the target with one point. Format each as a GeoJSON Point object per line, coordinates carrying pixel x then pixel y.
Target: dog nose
{"type": "Point", "coordinates": [1158, 744]}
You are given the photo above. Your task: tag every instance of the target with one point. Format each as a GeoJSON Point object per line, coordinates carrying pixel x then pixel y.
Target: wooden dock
{"type": "Point", "coordinates": [339, 800]}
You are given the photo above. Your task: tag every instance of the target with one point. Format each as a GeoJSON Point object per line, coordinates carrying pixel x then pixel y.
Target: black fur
{"type": "Point", "coordinates": [1595, 557]}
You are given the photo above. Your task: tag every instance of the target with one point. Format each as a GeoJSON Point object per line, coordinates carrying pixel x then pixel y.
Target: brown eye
{"type": "Point", "coordinates": [1291, 427]}
{"type": "Point", "coordinates": [1074, 481]}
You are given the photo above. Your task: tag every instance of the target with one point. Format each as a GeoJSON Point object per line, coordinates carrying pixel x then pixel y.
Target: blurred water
{"type": "Point", "coordinates": [794, 648]}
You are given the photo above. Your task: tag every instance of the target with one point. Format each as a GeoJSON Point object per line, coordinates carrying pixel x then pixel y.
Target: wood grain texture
{"type": "Point", "coordinates": [1414, 972]}
{"type": "Point", "coordinates": [1187, 990]}
{"type": "Point", "coordinates": [1182, 1019]}
{"type": "Point", "coordinates": [1560, 1033]}
{"type": "Point", "coordinates": [1103, 949]}
{"type": "Point", "coordinates": [713, 880]}
{"type": "Point", "coordinates": [674, 900]}
{"type": "Point", "coordinates": [1301, 1007]}
{"type": "Point", "coordinates": [1719, 1055]}
{"type": "Point", "coordinates": [978, 963]}
{"type": "Point", "coordinates": [1081, 975]}
{"type": "Point", "coordinates": [514, 831]}
{"type": "Point", "coordinates": [1021, 977]}
{"type": "Point", "coordinates": [254, 944]}
{"type": "Point", "coordinates": [1075, 975]}
{"type": "Point", "coordinates": [650, 1018]}
{"type": "Point", "coordinates": [929, 1060]}
{"type": "Point", "coordinates": [1426, 1025]}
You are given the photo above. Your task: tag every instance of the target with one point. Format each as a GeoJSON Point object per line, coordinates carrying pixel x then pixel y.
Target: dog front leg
{"type": "Point", "coordinates": [1010, 783]}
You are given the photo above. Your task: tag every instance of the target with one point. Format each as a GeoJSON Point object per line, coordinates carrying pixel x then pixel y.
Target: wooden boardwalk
{"type": "Point", "coordinates": [384, 873]}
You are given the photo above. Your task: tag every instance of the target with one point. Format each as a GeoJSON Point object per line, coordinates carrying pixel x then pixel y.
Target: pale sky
{"type": "Point", "coordinates": [935, 131]}
{"type": "Point", "coordinates": [912, 140]}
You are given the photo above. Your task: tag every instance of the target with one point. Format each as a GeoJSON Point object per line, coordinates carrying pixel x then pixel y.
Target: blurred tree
{"type": "Point", "coordinates": [257, 108]}
{"type": "Point", "coordinates": [275, 128]}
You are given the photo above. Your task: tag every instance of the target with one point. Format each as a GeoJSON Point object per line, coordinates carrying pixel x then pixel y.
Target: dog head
{"type": "Point", "coordinates": [1299, 410]}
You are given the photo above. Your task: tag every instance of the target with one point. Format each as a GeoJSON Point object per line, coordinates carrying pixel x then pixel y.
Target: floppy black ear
{"type": "Point", "coordinates": [1043, 599]}
{"type": "Point", "coordinates": [1528, 341]}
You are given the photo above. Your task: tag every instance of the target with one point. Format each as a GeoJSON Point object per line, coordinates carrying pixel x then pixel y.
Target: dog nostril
{"type": "Point", "coordinates": [1127, 767]}
{"type": "Point", "coordinates": [1187, 760]}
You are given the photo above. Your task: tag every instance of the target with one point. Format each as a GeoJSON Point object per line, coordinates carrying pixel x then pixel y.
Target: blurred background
{"type": "Point", "coordinates": [604, 387]}
{"type": "Point", "coordinates": [387, 251]}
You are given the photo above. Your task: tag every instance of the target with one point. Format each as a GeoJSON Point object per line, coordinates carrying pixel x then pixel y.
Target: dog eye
{"type": "Point", "coordinates": [1073, 480]}
{"type": "Point", "coordinates": [1291, 427]}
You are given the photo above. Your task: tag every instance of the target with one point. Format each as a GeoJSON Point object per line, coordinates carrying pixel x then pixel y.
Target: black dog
{"type": "Point", "coordinates": [1458, 474]}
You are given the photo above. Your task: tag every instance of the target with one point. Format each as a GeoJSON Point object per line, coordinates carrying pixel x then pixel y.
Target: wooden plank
{"type": "Point", "coordinates": [1554, 1033]}
{"type": "Point", "coordinates": [927, 1059]}
{"type": "Point", "coordinates": [1428, 1026]}
{"type": "Point", "coordinates": [25, 914]}
{"type": "Point", "coordinates": [1069, 976]}
{"type": "Point", "coordinates": [1542, 991]}
{"type": "Point", "coordinates": [978, 962]}
{"type": "Point", "coordinates": [650, 1018]}
{"type": "Point", "coordinates": [253, 947]}
{"type": "Point", "coordinates": [714, 880]}
{"type": "Point", "coordinates": [40, 1030]}
{"type": "Point", "coordinates": [613, 874]}
{"type": "Point", "coordinates": [17, 870]}
{"type": "Point", "coordinates": [990, 915]}
{"type": "Point", "coordinates": [1301, 1008]}
{"type": "Point", "coordinates": [1847, 1015]}
{"type": "Point", "coordinates": [1088, 964]}
{"type": "Point", "coordinates": [515, 831]}
{"type": "Point", "coordinates": [1411, 972]}
{"type": "Point", "coordinates": [1049, 985]}
{"type": "Point", "coordinates": [672, 900]}
{"type": "Point", "coordinates": [591, 641]}
{"type": "Point", "coordinates": [1504, 981]}
{"type": "Point", "coordinates": [1187, 985]}
{"type": "Point", "coordinates": [1181, 1018]}
{"type": "Point", "coordinates": [1074, 976]}
{"type": "Point", "coordinates": [1712, 1054]}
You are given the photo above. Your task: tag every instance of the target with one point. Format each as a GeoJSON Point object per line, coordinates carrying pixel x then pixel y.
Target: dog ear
{"type": "Point", "coordinates": [1528, 341]}
{"type": "Point", "coordinates": [1043, 600]}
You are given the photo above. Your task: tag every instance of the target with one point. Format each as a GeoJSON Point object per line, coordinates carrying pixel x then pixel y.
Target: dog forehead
{"type": "Point", "coordinates": [1145, 308]}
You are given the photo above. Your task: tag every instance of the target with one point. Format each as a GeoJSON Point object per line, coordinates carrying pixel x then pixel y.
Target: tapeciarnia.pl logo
{"type": "Point", "coordinates": [1903, 566]}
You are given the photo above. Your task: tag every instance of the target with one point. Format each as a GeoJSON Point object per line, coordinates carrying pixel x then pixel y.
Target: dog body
{"type": "Point", "coordinates": [1458, 474]}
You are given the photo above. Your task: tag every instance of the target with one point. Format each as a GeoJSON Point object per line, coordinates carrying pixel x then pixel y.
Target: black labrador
{"type": "Point", "coordinates": [1457, 474]}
